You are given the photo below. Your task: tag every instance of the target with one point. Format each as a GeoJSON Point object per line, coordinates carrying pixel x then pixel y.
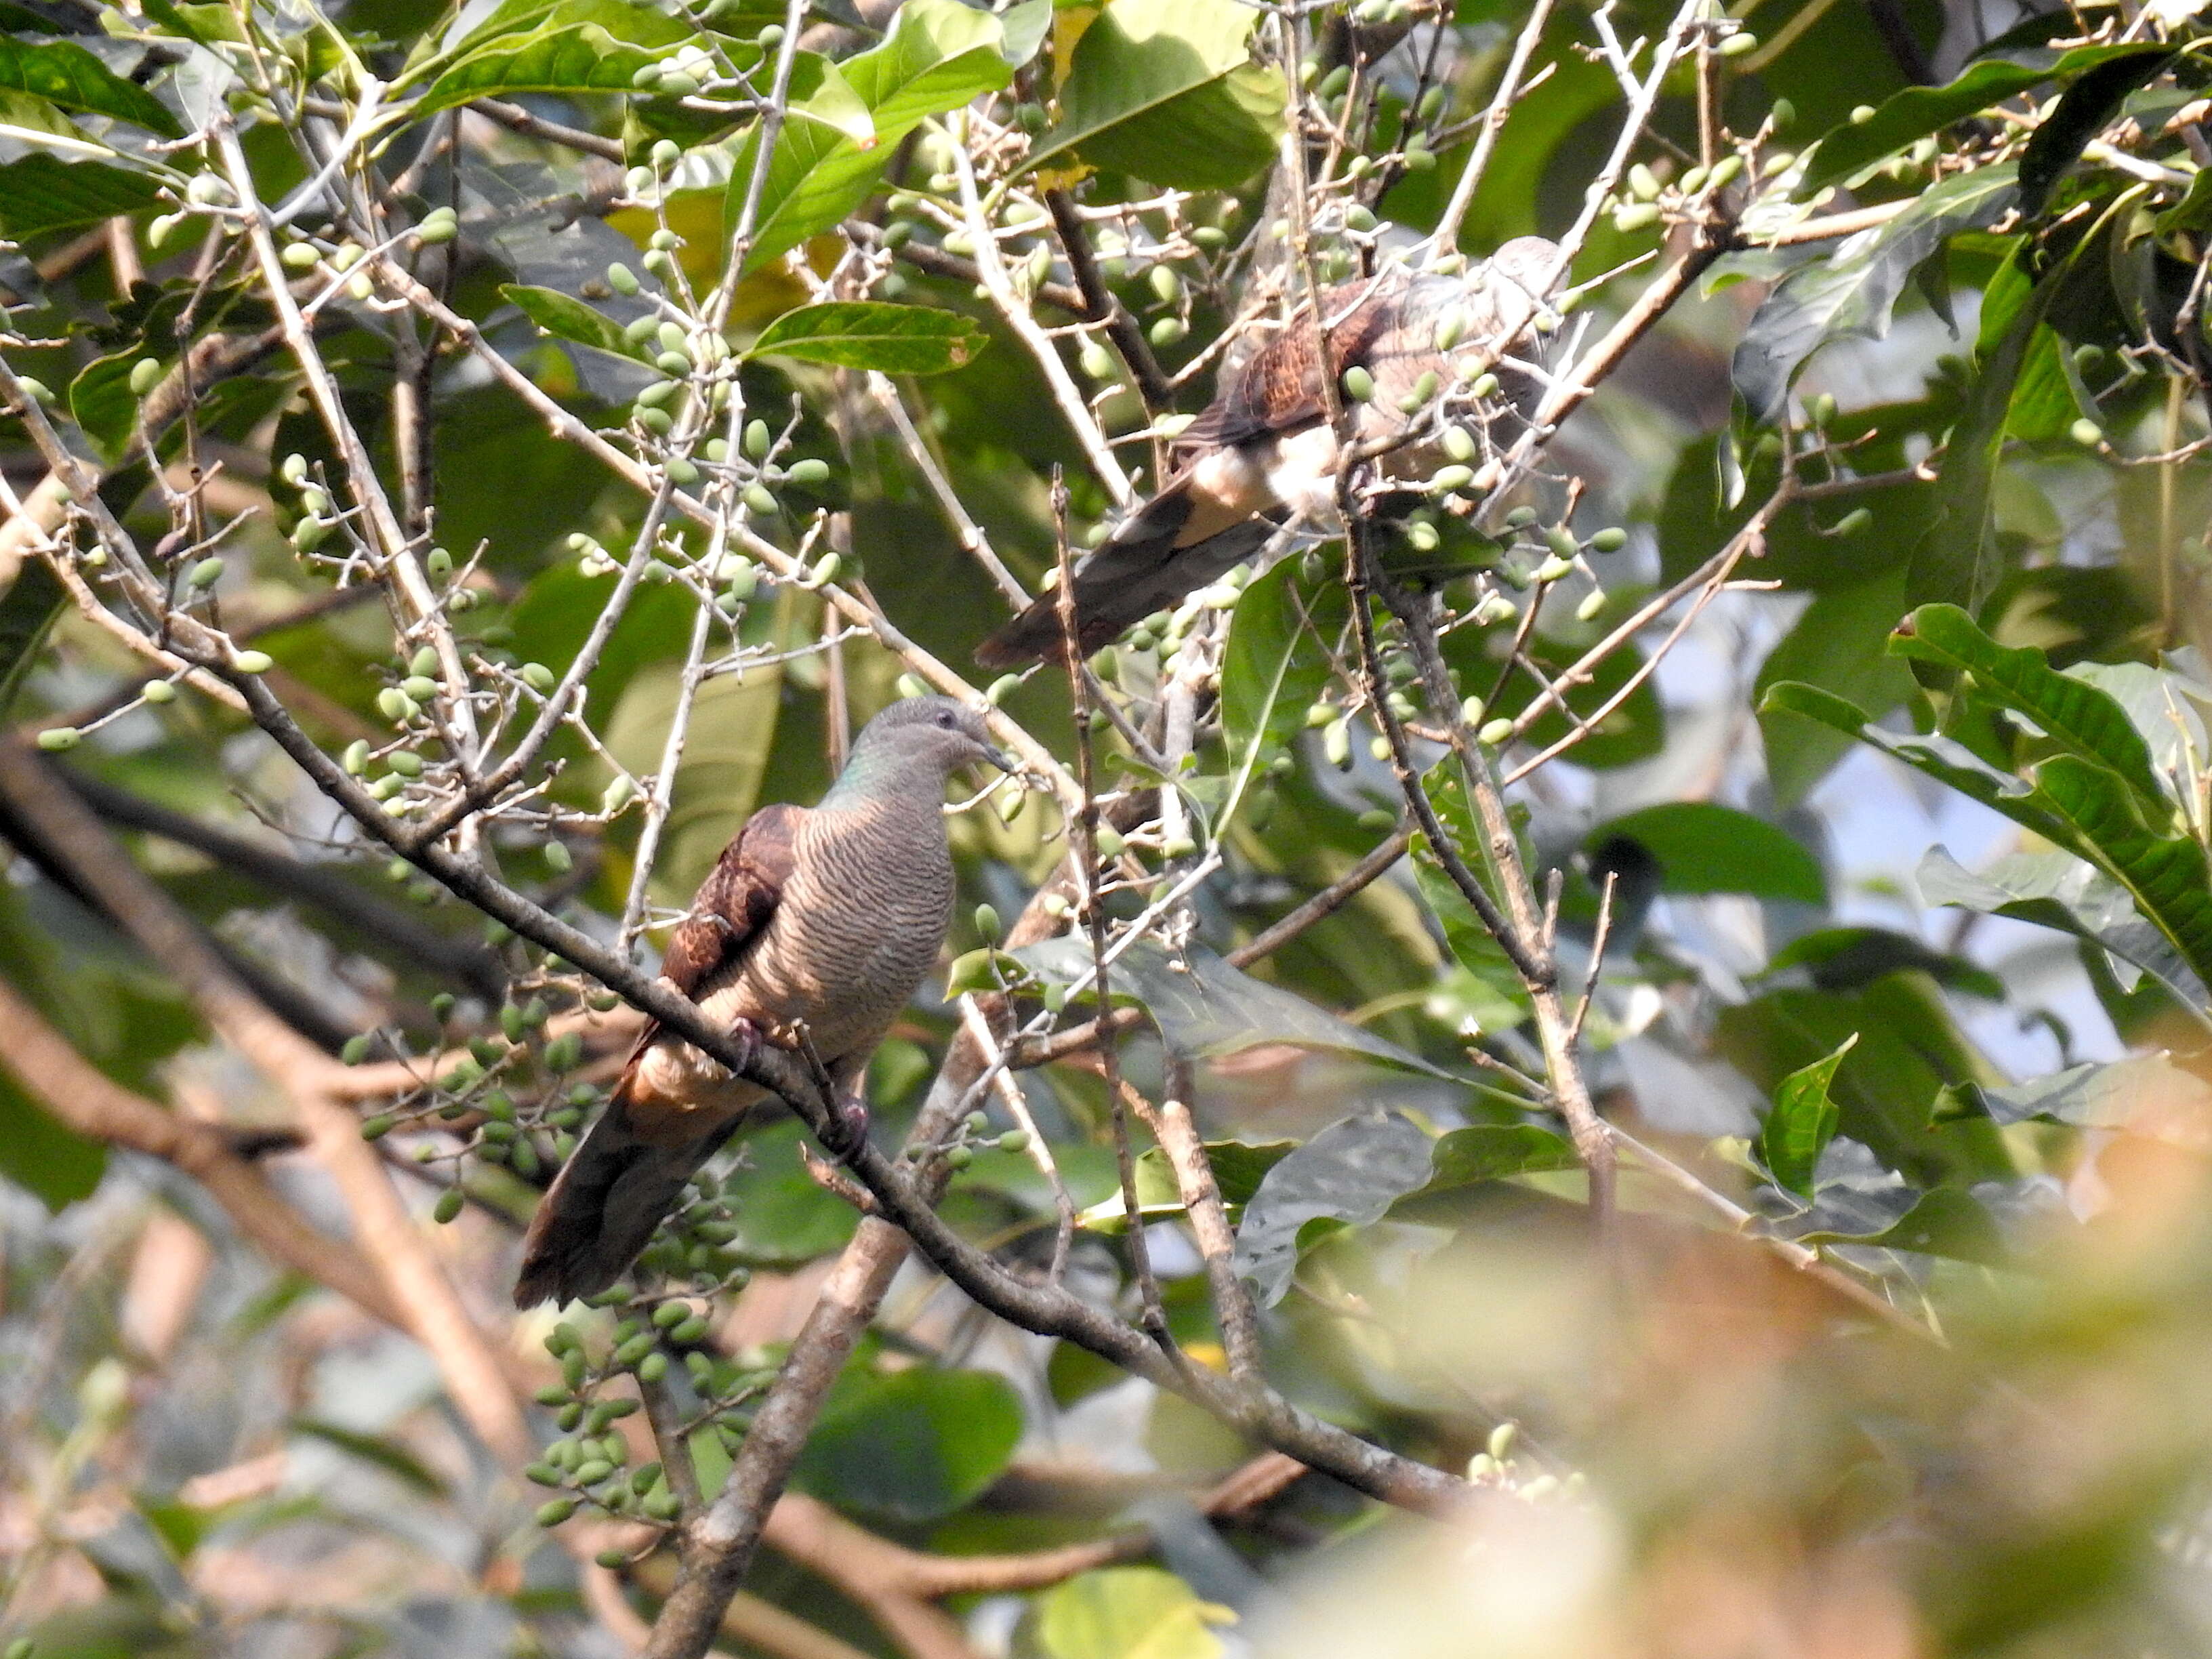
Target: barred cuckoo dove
{"type": "Point", "coordinates": [823, 918]}
{"type": "Point", "coordinates": [1264, 450]}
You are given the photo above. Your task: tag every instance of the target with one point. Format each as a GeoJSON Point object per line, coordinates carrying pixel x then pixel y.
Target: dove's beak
{"type": "Point", "coordinates": [999, 758]}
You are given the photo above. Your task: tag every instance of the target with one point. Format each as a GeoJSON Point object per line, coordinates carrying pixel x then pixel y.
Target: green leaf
{"type": "Point", "coordinates": [1705, 847]}
{"type": "Point", "coordinates": [1238, 1167]}
{"type": "Point", "coordinates": [870, 334]}
{"type": "Point", "coordinates": [1840, 645]}
{"type": "Point", "coordinates": [1909, 1048]}
{"type": "Point", "coordinates": [1802, 1122]}
{"type": "Point", "coordinates": [581, 46]}
{"type": "Point", "coordinates": [1913, 113]}
{"type": "Point", "coordinates": [386, 1455]}
{"type": "Point", "coordinates": [2082, 112]}
{"type": "Point", "coordinates": [1945, 759]}
{"type": "Point", "coordinates": [1350, 1174]}
{"type": "Point", "coordinates": [54, 1164]}
{"type": "Point", "coordinates": [785, 1218]}
{"type": "Point", "coordinates": [2059, 890]}
{"type": "Point", "coordinates": [2069, 711]}
{"type": "Point", "coordinates": [1945, 1221]}
{"type": "Point", "coordinates": [570, 319]}
{"type": "Point", "coordinates": [1494, 1152]}
{"type": "Point", "coordinates": [103, 403]}
{"type": "Point", "coordinates": [72, 78]}
{"type": "Point", "coordinates": [914, 1445]}
{"type": "Point", "coordinates": [40, 193]}
{"type": "Point", "coordinates": [1165, 89]}
{"type": "Point", "coordinates": [2166, 874]}
{"type": "Point", "coordinates": [846, 121]}
{"type": "Point", "coordinates": [28, 610]}
{"type": "Point", "coordinates": [1959, 560]}
{"type": "Point", "coordinates": [2150, 1095]}
{"type": "Point", "coordinates": [1207, 1009]}
{"type": "Point", "coordinates": [1853, 291]}
{"type": "Point", "coordinates": [1276, 664]}
{"type": "Point", "coordinates": [1128, 1613]}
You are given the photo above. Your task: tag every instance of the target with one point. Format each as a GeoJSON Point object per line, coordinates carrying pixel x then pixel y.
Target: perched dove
{"type": "Point", "coordinates": [826, 918]}
{"type": "Point", "coordinates": [1264, 447]}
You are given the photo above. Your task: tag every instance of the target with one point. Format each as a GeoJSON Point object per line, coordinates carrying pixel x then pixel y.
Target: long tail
{"type": "Point", "coordinates": [602, 1208]}
{"type": "Point", "coordinates": [1155, 557]}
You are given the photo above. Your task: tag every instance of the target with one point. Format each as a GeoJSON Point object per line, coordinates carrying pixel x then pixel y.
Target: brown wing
{"type": "Point", "coordinates": [1278, 388]}
{"type": "Point", "coordinates": [734, 904]}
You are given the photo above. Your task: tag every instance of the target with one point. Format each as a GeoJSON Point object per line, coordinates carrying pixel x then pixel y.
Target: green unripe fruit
{"type": "Point", "coordinates": [307, 535]}
{"type": "Point", "coordinates": [1014, 1141]}
{"type": "Point", "coordinates": [691, 1330]}
{"type": "Point", "coordinates": [558, 858]}
{"type": "Point", "coordinates": [1590, 604]}
{"type": "Point", "coordinates": [761, 500]}
{"type": "Point", "coordinates": [1096, 362]}
{"type": "Point", "coordinates": [301, 256]}
{"type": "Point", "coordinates": [659, 421]}
{"type": "Point", "coordinates": [681, 472]}
{"type": "Point", "coordinates": [1636, 216]}
{"type": "Point", "coordinates": [1496, 731]}
{"type": "Point", "coordinates": [961, 1157]}
{"type": "Point", "coordinates": [1169, 331]}
{"type": "Point", "coordinates": [1424, 389]}
{"type": "Point", "coordinates": [437, 228]}
{"type": "Point", "coordinates": [2087, 433]}
{"type": "Point", "coordinates": [375, 1128]}
{"type": "Point", "coordinates": [1336, 743]}
{"type": "Point", "coordinates": [564, 1053]}
{"type": "Point", "coordinates": [553, 1514]}
{"type": "Point", "coordinates": [1358, 384]}
{"type": "Point", "coordinates": [1643, 183]}
{"type": "Point", "coordinates": [419, 688]}
{"type": "Point", "coordinates": [158, 691]}
{"type": "Point", "coordinates": [1459, 444]}
{"type": "Point", "coordinates": [543, 1474]}
{"type": "Point", "coordinates": [447, 1207]}
{"type": "Point", "coordinates": [670, 1313]}
{"type": "Point", "coordinates": [757, 439]}
{"type": "Point", "coordinates": [395, 705]}
{"type": "Point", "coordinates": [356, 1049]}
{"type": "Point", "coordinates": [1738, 45]}
{"type": "Point", "coordinates": [1726, 169]}
{"type": "Point", "coordinates": [591, 1474]}
{"type": "Point", "coordinates": [145, 374]}
{"type": "Point", "coordinates": [812, 470]}
{"type": "Point", "coordinates": [986, 920]}
{"type": "Point", "coordinates": [1854, 522]}
{"type": "Point", "coordinates": [1449, 478]}
{"type": "Point", "coordinates": [57, 739]}
{"type": "Point", "coordinates": [633, 1351]}
{"type": "Point", "coordinates": [1611, 539]}
{"type": "Point", "coordinates": [408, 765]}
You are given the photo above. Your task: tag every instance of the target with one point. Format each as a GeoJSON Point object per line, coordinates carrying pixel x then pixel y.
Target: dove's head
{"type": "Point", "coordinates": [924, 733]}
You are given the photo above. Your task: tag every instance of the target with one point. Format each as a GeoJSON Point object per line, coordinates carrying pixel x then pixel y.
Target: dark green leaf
{"type": "Point", "coordinates": [1492, 1151]}
{"type": "Point", "coordinates": [40, 193]}
{"type": "Point", "coordinates": [1351, 1173]}
{"type": "Point", "coordinates": [870, 334]}
{"type": "Point", "coordinates": [2082, 112]}
{"type": "Point", "coordinates": [1277, 662]}
{"type": "Point", "coordinates": [1802, 1122]}
{"type": "Point", "coordinates": [1840, 645]}
{"type": "Point", "coordinates": [72, 78]}
{"type": "Point", "coordinates": [914, 1445]}
{"type": "Point", "coordinates": [1705, 847]}
{"type": "Point", "coordinates": [28, 610]}
{"type": "Point", "coordinates": [1918, 111]}
{"type": "Point", "coordinates": [1126, 1612]}
{"type": "Point", "coordinates": [56, 1165]}
{"type": "Point", "coordinates": [785, 1218]}
{"type": "Point", "coordinates": [1165, 89]}
{"type": "Point", "coordinates": [2069, 710]}
{"type": "Point", "coordinates": [1946, 1221]}
{"type": "Point", "coordinates": [1959, 560]}
{"type": "Point", "coordinates": [1853, 292]}
{"type": "Point", "coordinates": [570, 319]}
{"type": "Point", "coordinates": [1238, 1168]}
